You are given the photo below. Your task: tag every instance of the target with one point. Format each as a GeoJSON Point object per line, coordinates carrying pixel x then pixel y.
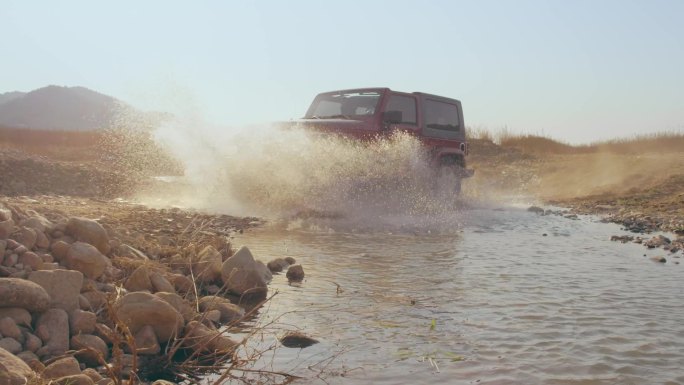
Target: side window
{"type": "Point", "coordinates": [441, 115]}
{"type": "Point", "coordinates": [405, 104]}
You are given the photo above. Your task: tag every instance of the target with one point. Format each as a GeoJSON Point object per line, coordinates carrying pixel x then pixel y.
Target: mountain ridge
{"type": "Point", "coordinates": [67, 108]}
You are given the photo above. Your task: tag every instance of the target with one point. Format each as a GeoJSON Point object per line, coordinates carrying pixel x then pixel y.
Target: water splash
{"type": "Point", "coordinates": [274, 172]}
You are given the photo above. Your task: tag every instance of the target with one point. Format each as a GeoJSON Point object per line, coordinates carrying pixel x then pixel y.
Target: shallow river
{"type": "Point", "coordinates": [484, 299]}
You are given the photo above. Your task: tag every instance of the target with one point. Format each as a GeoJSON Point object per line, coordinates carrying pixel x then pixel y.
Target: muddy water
{"type": "Point", "coordinates": [484, 299]}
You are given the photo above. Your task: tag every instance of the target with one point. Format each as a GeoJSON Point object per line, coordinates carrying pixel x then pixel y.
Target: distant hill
{"type": "Point", "coordinates": [66, 108]}
{"type": "Point", "coordinates": [6, 97]}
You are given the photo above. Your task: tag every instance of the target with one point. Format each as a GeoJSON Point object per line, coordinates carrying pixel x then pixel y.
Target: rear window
{"type": "Point", "coordinates": [441, 115]}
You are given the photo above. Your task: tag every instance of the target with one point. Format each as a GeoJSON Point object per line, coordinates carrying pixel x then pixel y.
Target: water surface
{"type": "Point", "coordinates": [493, 295]}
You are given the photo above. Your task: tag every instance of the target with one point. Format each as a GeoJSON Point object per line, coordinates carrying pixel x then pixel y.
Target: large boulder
{"type": "Point", "coordinates": [64, 286]}
{"type": "Point", "coordinates": [139, 309]}
{"type": "Point", "coordinates": [53, 329]}
{"type": "Point", "coordinates": [87, 259]}
{"type": "Point", "coordinates": [14, 371]}
{"type": "Point", "coordinates": [88, 231]}
{"type": "Point", "coordinates": [243, 275]}
{"type": "Point", "coordinates": [16, 292]}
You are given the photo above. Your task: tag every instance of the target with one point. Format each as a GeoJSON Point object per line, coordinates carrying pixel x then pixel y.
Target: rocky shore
{"type": "Point", "coordinates": [130, 293]}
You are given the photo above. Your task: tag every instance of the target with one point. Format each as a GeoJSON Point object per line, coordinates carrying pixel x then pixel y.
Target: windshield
{"type": "Point", "coordinates": [347, 105]}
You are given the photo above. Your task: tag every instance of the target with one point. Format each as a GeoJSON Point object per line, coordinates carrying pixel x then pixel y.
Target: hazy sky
{"type": "Point", "coordinates": [574, 70]}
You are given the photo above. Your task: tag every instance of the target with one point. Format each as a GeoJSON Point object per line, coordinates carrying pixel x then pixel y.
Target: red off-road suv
{"type": "Point", "coordinates": [367, 113]}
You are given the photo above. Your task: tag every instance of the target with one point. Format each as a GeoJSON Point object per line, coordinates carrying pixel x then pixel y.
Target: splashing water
{"type": "Point", "coordinates": [283, 173]}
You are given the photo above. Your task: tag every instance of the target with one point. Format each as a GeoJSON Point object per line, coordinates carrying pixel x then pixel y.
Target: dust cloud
{"type": "Point", "coordinates": [289, 172]}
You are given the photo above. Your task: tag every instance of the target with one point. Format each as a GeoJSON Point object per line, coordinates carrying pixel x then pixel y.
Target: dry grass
{"type": "Point", "coordinates": [672, 141]}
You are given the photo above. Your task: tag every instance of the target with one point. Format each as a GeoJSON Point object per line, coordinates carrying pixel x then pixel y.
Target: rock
{"type": "Point", "coordinates": [200, 338]}
{"type": "Point", "coordinates": [207, 266]}
{"type": "Point", "coordinates": [138, 309]}
{"type": "Point", "coordinates": [277, 265]}
{"type": "Point", "coordinates": [88, 231]}
{"type": "Point", "coordinates": [64, 286]}
{"type": "Point", "coordinates": [11, 345]}
{"type": "Point", "coordinates": [229, 311]}
{"type": "Point", "coordinates": [32, 360]}
{"type": "Point", "coordinates": [86, 259]}
{"type": "Point", "coordinates": [6, 228]}
{"type": "Point", "coordinates": [20, 316]}
{"type": "Point", "coordinates": [211, 315]}
{"type": "Point", "coordinates": [13, 371]}
{"type": "Point", "coordinates": [182, 284]}
{"type": "Point", "coordinates": [295, 273]}
{"type": "Point", "coordinates": [76, 379]}
{"type": "Point", "coordinates": [3, 247]}
{"type": "Point", "coordinates": [66, 366]}
{"type": "Point", "coordinates": [10, 260]}
{"type": "Point", "coordinates": [92, 350]}
{"type": "Point", "coordinates": [37, 222]}
{"type": "Point", "coordinates": [93, 374]}
{"type": "Point", "coordinates": [657, 241]}
{"type": "Point", "coordinates": [297, 340]}
{"type": "Point", "coordinates": [658, 258]}
{"type": "Point", "coordinates": [160, 283]}
{"type": "Point", "coordinates": [42, 241]}
{"type": "Point", "coordinates": [9, 328]}
{"type": "Point", "coordinates": [25, 294]}
{"type": "Point", "coordinates": [242, 275]}
{"type": "Point", "coordinates": [49, 266]}
{"type": "Point", "coordinates": [127, 251]}
{"type": "Point", "coordinates": [27, 237]}
{"type": "Point", "coordinates": [181, 305]}
{"type": "Point", "coordinates": [146, 341]}
{"type": "Point", "coordinates": [103, 331]}
{"type": "Point", "coordinates": [33, 343]}
{"type": "Point", "coordinates": [53, 329]}
{"type": "Point", "coordinates": [139, 280]}
{"type": "Point", "coordinates": [59, 250]}
{"type": "Point", "coordinates": [83, 303]}
{"type": "Point", "coordinates": [5, 213]}
{"type": "Point", "coordinates": [82, 322]}
{"type": "Point", "coordinates": [536, 209]}
{"type": "Point", "coordinates": [30, 259]}
{"type": "Point", "coordinates": [163, 382]}
{"type": "Point", "coordinates": [290, 260]}
{"type": "Point", "coordinates": [96, 299]}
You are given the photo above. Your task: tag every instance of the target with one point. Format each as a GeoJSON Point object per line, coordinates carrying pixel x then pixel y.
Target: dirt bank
{"type": "Point", "coordinates": [643, 191]}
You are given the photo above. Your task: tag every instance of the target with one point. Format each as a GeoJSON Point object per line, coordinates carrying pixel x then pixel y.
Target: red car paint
{"type": "Point", "coordinates": [436, 120]}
